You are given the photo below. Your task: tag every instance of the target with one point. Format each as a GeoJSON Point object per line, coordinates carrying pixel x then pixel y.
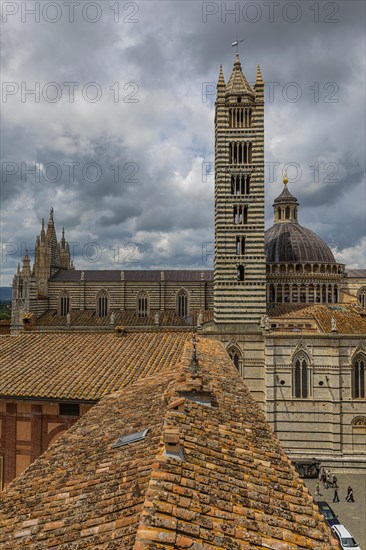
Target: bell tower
{"type": "Point", "coordinates": [240, 266]}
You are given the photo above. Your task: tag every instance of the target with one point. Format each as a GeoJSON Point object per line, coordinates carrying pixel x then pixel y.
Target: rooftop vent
{"type": "Point", "coordinates": [131, 438]}
{"type": "Point", "coordinates": [173, 448]}
{"type": "Point", "coordinates": [177, 405]}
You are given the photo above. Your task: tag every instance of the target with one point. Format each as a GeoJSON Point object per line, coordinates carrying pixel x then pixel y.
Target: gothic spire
{"type": "Point", "coordinates": [221, 81]}
{"type": "Point", "coordinates": [238, 84]}
{"type": "Point", "coordinates": [63, 238]}
{"type": "Point", "coordinates": [259, 79]}
{"type": "Point", "coordinates": [43, 233]}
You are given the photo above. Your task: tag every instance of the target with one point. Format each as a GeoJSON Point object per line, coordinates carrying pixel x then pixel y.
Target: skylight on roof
{"type": "Point", "coordinates": [200, 397]}
{"type": "Point", "coordinates": [131, 438]}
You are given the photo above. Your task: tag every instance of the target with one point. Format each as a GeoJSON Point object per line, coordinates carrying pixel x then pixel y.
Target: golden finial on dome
{"type": "Point", "coordinates": [285, 179]}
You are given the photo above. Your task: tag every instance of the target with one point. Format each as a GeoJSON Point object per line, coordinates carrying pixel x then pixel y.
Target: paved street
{"type": "Point", "coordinates": [351, 515]}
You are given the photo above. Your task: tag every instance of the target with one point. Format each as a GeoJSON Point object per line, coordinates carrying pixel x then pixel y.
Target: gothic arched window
{"type": "Point", "coordinates": [142, 304]}
{"type": "Point", "coordinates": [245, 218]}
{"type": "Point", "coordinates": [182, 303]}
{"type": "Point", "coordinates": [358, 372]}
{"type": "Point", "coordinates": [102, 304]}
{"type": "Point", "coordinates": [301, 376]}
{"type": "Point", "coordinates": [64, 304]}
{"type": "Point", "coordinates": [362, 297]}
{"type": "Point", "coordinates": [235, 356]}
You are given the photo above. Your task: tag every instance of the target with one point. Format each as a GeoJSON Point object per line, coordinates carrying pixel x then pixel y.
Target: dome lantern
{"type": "Point", "coordinates": [285, 206]}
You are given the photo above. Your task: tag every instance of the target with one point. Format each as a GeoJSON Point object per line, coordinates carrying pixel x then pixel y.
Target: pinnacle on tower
{"type": "Point", "coordinates": [259, 79]}
{"type": "Point", "coordinates": [63, 238]}
{"type": "Point", "coordinates": [43, 233]}
{"type": "Point", "coordinates": [221, 81]}
{"type": "Point", "coordinates": [51, 221]}
{"type": "Point", "coordinates": [26, 264]}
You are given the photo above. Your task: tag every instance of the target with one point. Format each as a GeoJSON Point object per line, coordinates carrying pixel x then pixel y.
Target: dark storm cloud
{"type": "Point", "coordinates": [159, 142]}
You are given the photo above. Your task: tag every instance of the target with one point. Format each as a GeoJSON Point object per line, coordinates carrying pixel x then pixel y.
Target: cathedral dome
{"type": "Point", "coordinates": [290, 242]}
{"type": "Point", "coordinates": [287, 241]}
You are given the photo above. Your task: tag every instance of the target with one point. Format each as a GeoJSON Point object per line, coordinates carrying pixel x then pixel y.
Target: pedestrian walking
{"type": "Point", "coordinates": [328, 479]}
{"type": "Point", "coordinates": [334, 481]}
{"type": "Point", "coordinates": [349, 497]}
{"type": "Point", "coordinates": [317, 491]}
{"type": "Point", "coordinates": [336, 497]}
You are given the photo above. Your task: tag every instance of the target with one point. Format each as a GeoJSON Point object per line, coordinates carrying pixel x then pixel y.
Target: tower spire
{"type": "Point", "coordinates": [63, 238]}
{"type": "Point", "coordinates": [238, 83]}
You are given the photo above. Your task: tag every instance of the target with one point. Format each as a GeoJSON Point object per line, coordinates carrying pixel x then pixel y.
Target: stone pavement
{"type": "Point", "coordinates": [351, 515]}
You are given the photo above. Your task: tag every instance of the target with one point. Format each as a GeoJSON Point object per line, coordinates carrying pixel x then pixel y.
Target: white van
{"type": "Point", "coordinates": [345, 537]}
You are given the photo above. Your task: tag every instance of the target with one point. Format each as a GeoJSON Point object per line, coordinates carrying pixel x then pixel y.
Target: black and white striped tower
{"type": "Point", "coordinates": [240, 266]}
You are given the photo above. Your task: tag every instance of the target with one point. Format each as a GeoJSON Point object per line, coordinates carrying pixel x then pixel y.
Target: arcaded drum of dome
{"type": "Point", "coordinates": [290, 242]}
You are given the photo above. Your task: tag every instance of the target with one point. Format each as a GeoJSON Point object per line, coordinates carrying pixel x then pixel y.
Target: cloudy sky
{"type": "Point", "coordinates": [108, 116]}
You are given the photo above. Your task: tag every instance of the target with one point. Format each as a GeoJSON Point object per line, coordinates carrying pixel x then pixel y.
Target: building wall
{"type": "Point", "coordinates": [248, 340]}
{"type": "Point", "coordinates": [27, 428]}
{"type": "Point", "coordinates": [123, 295]}
{"type": "Point", "coordinates": [328, 424]}
{"type": "Point", "coordinates": [351, 286]}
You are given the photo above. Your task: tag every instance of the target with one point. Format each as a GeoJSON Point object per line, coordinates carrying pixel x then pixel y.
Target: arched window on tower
{"type": "Point", "coordinates": [240, 273]}
{"type": "Point", "coordinates": [64, 304]}
{"type": "Point", "coordinates": [247, 185]}
{"type": "Point", "coordinates": [102, 304]}
{"type": "Point", "coordinates": [235, 215]}
{"type": "Point", "coordinates": [142, 304]}
{"type": "Point", "coordinates": [182, 303]}
{"type": "Point", "coordinates": [361, 296]}
{"type": "Point", "coordinates": [245, 217]}
{"type": "Point", "coordinates": [301, 375]}
{"type": "Point", "coordinates": [279, 212]}
{"type": "Point", "coordinates": [287, 213]}
{"type": "Point", "coordinates": [358, 375]}
{"type": "Point", "coordinates": [235, 356]}
{"type": "Point", "coordinates": [240, 245]}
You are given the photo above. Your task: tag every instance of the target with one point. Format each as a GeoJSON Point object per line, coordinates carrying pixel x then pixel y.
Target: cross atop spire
{"type": "Point", "coordinates": [236, 44]}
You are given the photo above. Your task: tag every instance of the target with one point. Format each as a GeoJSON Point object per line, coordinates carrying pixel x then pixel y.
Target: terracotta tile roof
{"type": "Point", "coordinates": [287, 309]}
{"type": "Point", "coordinates": [348, 317]}
{"type": "Point", "coordinates": [172, 275]}
{"type": "Point", "coordinates": [229, 484]}
{"type": "Point", "coordinates": [126, 318]}
{"type": "Point", "coordinates": [82, 366]}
